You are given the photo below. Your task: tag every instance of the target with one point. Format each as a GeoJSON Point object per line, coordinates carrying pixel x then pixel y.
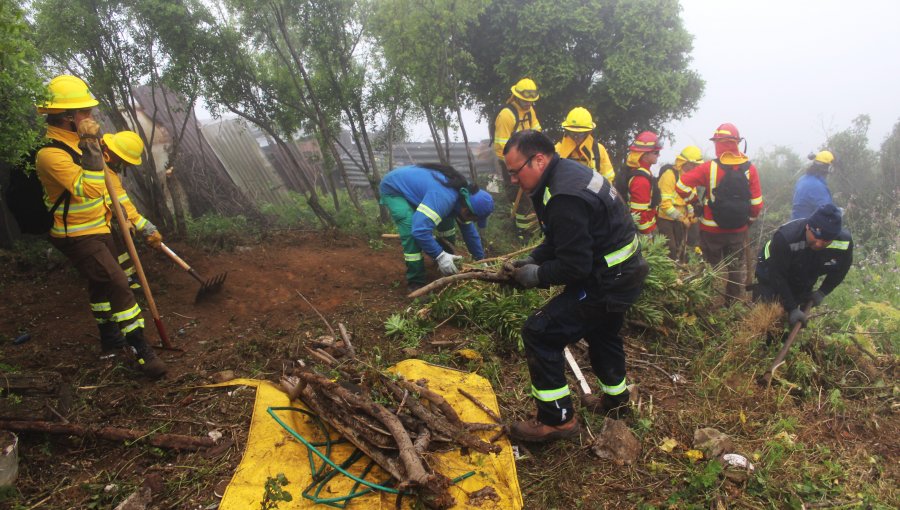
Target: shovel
{"type": "Point", "coordinates": [207, 287]}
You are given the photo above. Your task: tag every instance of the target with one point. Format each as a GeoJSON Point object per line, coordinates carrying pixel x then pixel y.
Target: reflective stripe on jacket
{"type": "Point", "coordinates": [131, 211]}
{"type": "Point", "coordinates": [434, 203]}
{"type": "Point", "coordinates": [88, 212]}
{"type": "Point", "coordinates": [708, 175]}
{"type": "Point", "coordinates": [670, 200]}
{"type": "Point", "coordinates": [505, 125]}
{"type": "Point", "coordinates": [787, 265]}
{"type": "Point", "coordinates": [640, 194]}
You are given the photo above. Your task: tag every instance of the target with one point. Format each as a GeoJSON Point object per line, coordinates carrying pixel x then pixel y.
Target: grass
{"type": "Point", "coordinates": [811, 436]}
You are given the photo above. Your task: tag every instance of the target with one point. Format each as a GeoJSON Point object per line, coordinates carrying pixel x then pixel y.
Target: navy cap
{"type": "Point", "coordinates": [825, 223]}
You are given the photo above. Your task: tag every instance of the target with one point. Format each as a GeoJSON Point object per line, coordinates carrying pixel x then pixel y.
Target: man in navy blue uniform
{"type": "Point", "coordinates": [590, 246]}
{"type": "Point", "coordinates": [800, 252]}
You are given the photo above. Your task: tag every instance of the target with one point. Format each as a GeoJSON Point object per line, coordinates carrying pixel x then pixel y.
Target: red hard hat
{"type": "Point", "coordinates": [647, 141]}
{"type": "Point", "coordinates": [727, 131]}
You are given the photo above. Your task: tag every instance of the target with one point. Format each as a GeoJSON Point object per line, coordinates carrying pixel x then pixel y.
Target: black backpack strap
{"type": "Point", "coordinates": [515, 113]}
{"type": "Point", "coordinates": [65, 197]}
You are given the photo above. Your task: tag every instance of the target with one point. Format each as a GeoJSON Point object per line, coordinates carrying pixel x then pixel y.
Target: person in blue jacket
{"type": "Point", "coordinates": [422, 198]}
{"type": "Point", "coordinates": [811, 191]}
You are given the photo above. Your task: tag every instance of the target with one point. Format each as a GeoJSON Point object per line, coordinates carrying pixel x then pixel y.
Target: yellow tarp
{"type": "Point", "coordinates": [272, 450]}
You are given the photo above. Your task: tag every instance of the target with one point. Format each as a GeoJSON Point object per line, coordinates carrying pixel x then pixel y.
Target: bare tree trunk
{"type": "Point", "coordinates": [462, 129]}
{"type": "Point", "coordinates": [435, 134]}
{"type": "Point", "coordinates": [321, 119]}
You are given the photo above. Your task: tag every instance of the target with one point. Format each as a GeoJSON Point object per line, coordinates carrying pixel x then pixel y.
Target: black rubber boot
{"type": "Point", "coordinates": [111, 338]}
{"type": "Point", "coordinates": [149, 362]}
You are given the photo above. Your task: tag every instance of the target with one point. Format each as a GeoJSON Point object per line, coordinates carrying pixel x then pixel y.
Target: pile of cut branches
{"type": "Point", "coordinates": [395, 421]}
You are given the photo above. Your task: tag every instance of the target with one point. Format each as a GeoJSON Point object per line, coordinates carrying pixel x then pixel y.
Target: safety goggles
{"type": "Point", "coordinates": [530, 94]}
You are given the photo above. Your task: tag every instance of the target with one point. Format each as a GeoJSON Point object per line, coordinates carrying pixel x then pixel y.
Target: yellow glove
{"type": "Point", "coordinates": [154, 239]}
{"type": "Point", "coordinates": [686, 221]}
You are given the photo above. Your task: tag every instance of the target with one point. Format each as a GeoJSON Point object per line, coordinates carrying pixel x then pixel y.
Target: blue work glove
{"type": "Point", "coordinates": [817, 297]}
{"type": "Point", "coordinates": [447, 263]}
{"type": "Point", "coordinates": [527, 275]}
{"type": "Point", "coordinates": [797, 315]}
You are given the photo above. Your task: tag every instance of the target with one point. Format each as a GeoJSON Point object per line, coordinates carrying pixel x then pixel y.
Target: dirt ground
{"type": "Point", "coordinates": [258, 325]}
{"type": "Point", "coordinates": [254, 327]}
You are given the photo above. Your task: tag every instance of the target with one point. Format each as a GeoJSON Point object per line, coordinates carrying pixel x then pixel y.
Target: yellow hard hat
{"type": "Point", "coordinates": [691, 154]}
{"type": "Point", "coordinates": [526, 90]}
{"type": "Point", "coordinates": [125, 144]}
{"type": "Point", "coordinates": [67, 93]}
{"type": "Point", "coordinates": [579, 120]}
{"type": "Point", "coordinates": [824, 157]}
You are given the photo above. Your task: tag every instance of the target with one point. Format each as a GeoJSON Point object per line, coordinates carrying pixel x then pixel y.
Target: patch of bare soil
{"type": "Point", "coordinates": [254, 327]}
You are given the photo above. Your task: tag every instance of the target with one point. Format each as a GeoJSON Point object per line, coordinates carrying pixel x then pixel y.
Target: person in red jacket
{"type": "Point", "coordinates": [643, 197]}
{"type": "Point", "coordinates": [734, 200]}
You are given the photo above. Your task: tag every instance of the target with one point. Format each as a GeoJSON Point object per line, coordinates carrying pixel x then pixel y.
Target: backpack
{"type": "Point", "coordinates": [25, 194]}
{"type": "Point", "coordinates": [623, 185]}
{"type": "Point", "coordinates": [517, 127]}
{"type": "Point", "coordinates": [729, 201]}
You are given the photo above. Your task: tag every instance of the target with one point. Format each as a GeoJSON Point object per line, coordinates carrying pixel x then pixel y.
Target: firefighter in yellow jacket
{"type": "Point", "coordinates": [517, 115]}
{"type": "Point", "coordinates": [578, 143]}
{"type": "Point", "coordinates": [81, 226]}
{"type": "Point", "coordinates": [675, 216]}
{"type": "Point", "coordinates": [120, 151]}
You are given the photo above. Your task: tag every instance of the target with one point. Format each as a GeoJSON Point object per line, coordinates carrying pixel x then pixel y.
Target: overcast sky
{"type": "Point", "coordinates": [786, 72]}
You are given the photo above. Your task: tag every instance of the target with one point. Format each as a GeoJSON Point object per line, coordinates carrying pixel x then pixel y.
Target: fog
{"type": "Point", "coordinates": [792, 72]}
{"type": "Point", "coordinates": [787, 72]}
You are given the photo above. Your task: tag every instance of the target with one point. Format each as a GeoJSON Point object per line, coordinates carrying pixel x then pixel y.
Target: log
{"type": "Point", "coordinates": [439, 424]}
{"type": "Point", "coordinates": [415, 471]}
{"type": "Point", "coordinates": [168, 441]}
{"type": "Point", "coordinates": [474, 274]}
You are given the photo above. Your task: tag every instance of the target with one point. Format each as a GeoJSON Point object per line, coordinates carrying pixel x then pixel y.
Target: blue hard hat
{"type": "Point", "coordinates": [481, 204]}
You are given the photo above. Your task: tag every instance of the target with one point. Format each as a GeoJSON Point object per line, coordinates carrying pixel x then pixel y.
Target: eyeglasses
{"type": "Point", "coordinates": [516, 171]}
{"type": "Point", "coordinates": [528, 94]}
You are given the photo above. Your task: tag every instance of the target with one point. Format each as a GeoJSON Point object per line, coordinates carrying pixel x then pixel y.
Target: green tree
{"type": "Point", "coordinates": [856, 184]}
{"type": "Point", "coordinates": [624, 60]}
{"type": "Point", "coordinates": [424, 42]}
{"type": "Point", "coordinates": [22, 83]}
{"type": "Point", "coordinates": [890, 165]}
{"type": "Point", "coordinates": [96, 39]}
{"type": "Point", "coordinates": [781, 167]}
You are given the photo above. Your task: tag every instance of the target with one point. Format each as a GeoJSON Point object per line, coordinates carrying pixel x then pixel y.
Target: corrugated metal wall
{"type": "Point", "coordinates": [424, 152]}
{"type": "Point", "coordinates": [245, 162]}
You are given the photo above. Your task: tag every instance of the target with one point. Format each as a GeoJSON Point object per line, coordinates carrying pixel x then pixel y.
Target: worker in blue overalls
{"type": "Point", "coordinates": [422, 198]}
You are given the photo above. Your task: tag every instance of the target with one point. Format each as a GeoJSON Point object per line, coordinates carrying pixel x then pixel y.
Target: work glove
{"type": "Point", "coordinates": [527, 275]}
{"type": "Point", "coordinates": [447, 263]}
{"type": "Point", "coordinates": [154, 239]}
{"type": "Point", "coordinates": [817, 297]}
{"type": "Point", "coordinates": [152, 235]}
{"type": "Point", "coordinates": [91, 153]}
{"type": "Point", "coordinates": [797, 315]}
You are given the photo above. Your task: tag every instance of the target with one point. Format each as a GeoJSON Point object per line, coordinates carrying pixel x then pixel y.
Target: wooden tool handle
{"type": "Point", "coordinates": [178, 260]}
{"type": "Point", "coordinates": [138, 268]}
